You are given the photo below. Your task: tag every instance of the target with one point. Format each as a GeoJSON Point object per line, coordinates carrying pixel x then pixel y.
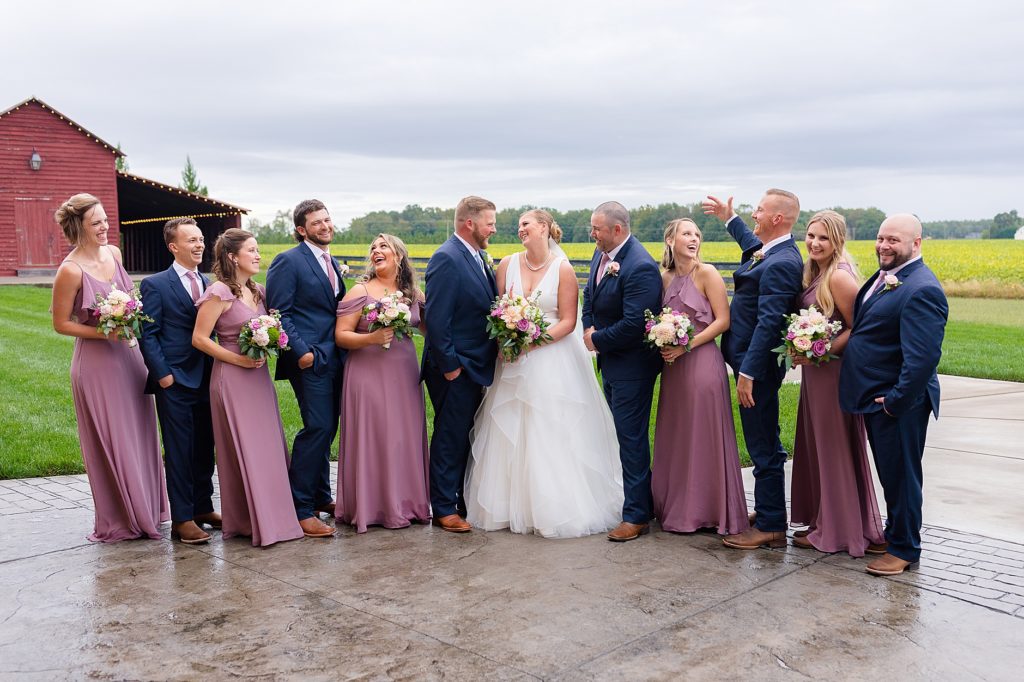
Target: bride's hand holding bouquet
{"type": "Point", "coordinates": [518, 324]}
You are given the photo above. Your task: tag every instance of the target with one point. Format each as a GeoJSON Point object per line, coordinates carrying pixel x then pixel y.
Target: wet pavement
{"type": "Point", "coordinates": [420, 603]}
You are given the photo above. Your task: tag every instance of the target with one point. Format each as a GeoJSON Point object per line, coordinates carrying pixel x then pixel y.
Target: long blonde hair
{"type": "Point", "coordinates": [668, 259]}
{"type": "Point", "coordinates": [545, 218]}
{"type": "Point", "coordinates": [835, 230]}
{"type": "Point", "coordinates": [406, 275]}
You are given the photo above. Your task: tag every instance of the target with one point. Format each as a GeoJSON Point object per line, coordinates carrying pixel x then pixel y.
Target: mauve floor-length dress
{"type": "Point", "coordinates": [382, 453]}
{"type": "Point", "coordinates": [252, 454]}
{"type": "Point", "coordinates": [832, 490]}
{"type": "Point", "coordinates": [116, 426]}
{"type": "Point", "coordinates": [695, 478]}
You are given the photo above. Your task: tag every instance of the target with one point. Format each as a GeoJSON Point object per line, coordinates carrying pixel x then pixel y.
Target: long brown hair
{"type": "Point", "coordinates": [668, 259]}
{"type": "Point", "coordinates": [406, 276]}
{"type": "Point", "coordinates": [835, 230]}
{"type": "Point", "coordinates": [228, 244]}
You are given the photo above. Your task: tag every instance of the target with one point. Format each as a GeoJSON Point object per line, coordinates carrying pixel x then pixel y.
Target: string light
{"type": "Point", "coordinates": [71, 123]}
{"type": "Point", "coordinates": [172, 217]}
{"type": "Point", "coordinates": [170, 188]}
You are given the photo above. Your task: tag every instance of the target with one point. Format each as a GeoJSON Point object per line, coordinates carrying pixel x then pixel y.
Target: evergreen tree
{"type": "Point", "coordinates": [121, 163]}
{"type": "Point", "coordinates": [190, 179]}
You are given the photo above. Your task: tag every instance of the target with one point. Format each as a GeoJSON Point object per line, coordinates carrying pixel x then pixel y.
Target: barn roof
{"type": "Point", "coordinates": [46, 107]}
{"type": "Point", "coordinates": [142, 200]}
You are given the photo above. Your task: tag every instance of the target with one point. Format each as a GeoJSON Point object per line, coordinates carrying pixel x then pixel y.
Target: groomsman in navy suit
{"type": "Point", "coordinates": [458, 359]}
{"type": "Point", "coordinates": [179, 377]}
{"type": "Point", "coordinates": [305, 284]}
{"type": "Point", "coordinates": [889, 376]}
{"type": "Point", "coordinates": [766, 286]}
{"type": "Point", "coordinates": [624, 281]}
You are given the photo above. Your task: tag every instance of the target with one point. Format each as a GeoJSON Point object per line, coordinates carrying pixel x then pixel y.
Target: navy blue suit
{"type": "Point", "coordinates": [459, 296]}
{"type": "Point", "coordinates": [298, 288]}
{"type": "Point", "coordinates": [183, 407]}
{"type": "Point", "coordinates": [893, 352]}
{"type": "Point", "coordinates": [615, 309]}
{"type": "Point", "coordinates": [764, 292]}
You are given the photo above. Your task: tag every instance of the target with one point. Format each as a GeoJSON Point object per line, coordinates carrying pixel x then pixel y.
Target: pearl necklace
{"type": "Point", "coordinates": [526, 259]}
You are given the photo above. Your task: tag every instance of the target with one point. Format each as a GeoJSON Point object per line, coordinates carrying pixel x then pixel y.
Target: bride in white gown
{"type": "Point", "coordinates": [545, 458]}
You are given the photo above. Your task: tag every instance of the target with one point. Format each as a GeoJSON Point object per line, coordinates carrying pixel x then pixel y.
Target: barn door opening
{"type": "Point", "coordinates": [39, 237]}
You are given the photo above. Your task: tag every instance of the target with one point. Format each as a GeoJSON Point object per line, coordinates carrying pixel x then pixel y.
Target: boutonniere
{"type": "Point", "coordinates": [613, 269]}
{"type": "Point", "coordinates": [342, 268]}
{"type": "Point", "coordinates": [756, 258]}
{"type": "Point", "coordinates": [891, 283]}
{"type": "Point", "coordinates": [488, 261]}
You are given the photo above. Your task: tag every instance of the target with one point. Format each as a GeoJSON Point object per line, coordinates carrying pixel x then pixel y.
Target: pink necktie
{"type": "Point", "coordinates": [601, 268]}
{"type": "Point", "coordinates": [193, 285]}
{"type": "Point", "coordinates": [879, 283]}
{"type": "Point", "coordinates": [330, 272]}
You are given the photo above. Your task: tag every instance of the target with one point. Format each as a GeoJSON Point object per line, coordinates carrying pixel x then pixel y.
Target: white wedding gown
{"type": "Point", "coordinates": [545, 458]}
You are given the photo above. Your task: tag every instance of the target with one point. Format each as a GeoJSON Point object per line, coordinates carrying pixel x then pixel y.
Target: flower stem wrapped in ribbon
{"type": "Point", "coordinates": [808, 333]}
{"type": "Point", "coordinates": [517, 323]}
{"type": "Point", "coordinates": [120, 312]}
{"type": "Point", "coordinates": [263, 337]}
{"type": "Point", "coordinates": [667, 328]}
{"type": "Point", "coordinates": [391, 311]}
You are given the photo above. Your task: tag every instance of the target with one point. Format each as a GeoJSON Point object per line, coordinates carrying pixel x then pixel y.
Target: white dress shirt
{"type": "Point", "coordinates": [318, 253]}
{"type": "Point", "coordinates": [183, 277]}
{"type": "Point", "coordinates": [477, 256]}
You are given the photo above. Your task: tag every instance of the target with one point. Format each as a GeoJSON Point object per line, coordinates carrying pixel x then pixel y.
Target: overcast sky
{"type": "Point", "coordinates": [375, 105]}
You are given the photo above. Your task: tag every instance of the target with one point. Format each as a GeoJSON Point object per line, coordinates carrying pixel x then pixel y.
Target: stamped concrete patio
{"type": "Point", "coordinates": [423, 604]}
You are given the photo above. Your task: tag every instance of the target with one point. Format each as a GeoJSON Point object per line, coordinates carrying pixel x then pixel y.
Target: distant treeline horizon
{"type": "Point", "coordinates": [432, 225]}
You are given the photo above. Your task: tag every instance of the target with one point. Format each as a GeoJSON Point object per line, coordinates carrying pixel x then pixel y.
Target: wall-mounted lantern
{"type": "Point", "coordinates": [35, 162]}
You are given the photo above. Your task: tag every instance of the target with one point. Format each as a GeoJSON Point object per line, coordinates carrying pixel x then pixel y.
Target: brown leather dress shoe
{"type": "Point", "coordinates": [212, 520]}
{"type": "Point", "coordinates": [453, 523]}
{"type": "Point", "coordinates": [188, 533]}
{"type": "Point", "coordinates": [876, 549]}
{"type": "Point", "coordinates": [315, 528]}
{"type": "Point", "coordinates": [889, 565]}
{"type": "Point", "coordinates": [627, 531]}
{"type": "Point", "coordinates": [802, 542]}
{"type": "Point", "coordinates": [752, 538]}
{"type": "Point", "coordinates": [327, 508]}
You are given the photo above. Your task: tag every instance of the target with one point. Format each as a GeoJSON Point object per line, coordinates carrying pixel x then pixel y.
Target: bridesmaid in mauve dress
{"type": "Point", "coordinates": [382, 457]}
{"type": "Point", "coordinates": [832, 490]}
{"type": "Point", "coordinates": [252, 455]}
{"type": "Point", "coordinates": [116, 419]}
{"type": "Point", "coordinates": [696, 478]}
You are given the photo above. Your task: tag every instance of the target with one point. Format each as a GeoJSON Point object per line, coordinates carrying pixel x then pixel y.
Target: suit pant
{"type": "Point", "coordinates": [897, 444]}
{"type": "Point", "coordinates": [187, 432]}
{"type": "Point", "coordinates": [309, 472]}
{"type": "Point", "coordinates": [630, 404]}
{"type": "Point", "coordinates": [761, 433]}
{"type": "Point", "coordinates": [455, 405]}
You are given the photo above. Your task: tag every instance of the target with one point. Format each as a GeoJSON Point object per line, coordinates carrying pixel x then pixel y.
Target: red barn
{"type": "Point", "coordinates": [45, 157]}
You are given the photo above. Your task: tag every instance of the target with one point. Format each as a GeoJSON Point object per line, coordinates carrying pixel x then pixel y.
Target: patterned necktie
{"type": "Point", "coordinates": [193, 284]}
{"type": "Point", "coordinates": [330, 272]}
{"type": "Point", "coordinates": [601, 268]}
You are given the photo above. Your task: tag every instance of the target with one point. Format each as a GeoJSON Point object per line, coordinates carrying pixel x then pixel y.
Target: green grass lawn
{"type": "Point", "coordinates": [38, 435]}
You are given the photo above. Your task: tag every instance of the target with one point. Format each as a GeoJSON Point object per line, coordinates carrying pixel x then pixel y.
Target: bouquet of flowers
{"type": "Point", "coordinates": [391, 311]}
{"type": "Point", "coordinates": [120, 312]}
{"type": "Point", "coordinates": [668, 328]}
{"type": "Point", "coordinates": [517, 323]}
{"type": "Point", "coordinates": [809, 333]}
{"type": "Point", "coordinates": [263, 337]}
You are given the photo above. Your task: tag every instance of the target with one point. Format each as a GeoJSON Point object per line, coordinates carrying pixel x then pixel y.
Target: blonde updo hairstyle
{"type": "Point", "coordinates": [71, 215]}
{"type": "Point", "coordinates": [228, 244]}
{"type": "Point", "coordinates": [406, 276]}
{"type": "Point", "coordinates": [835, 230]}
{"type": "Point", "coordinates": [545, 218]}
{"type": "Point", "coordinates": [668, 259]}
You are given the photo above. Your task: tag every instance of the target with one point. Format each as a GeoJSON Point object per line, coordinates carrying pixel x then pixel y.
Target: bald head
{"type": "Point", "coordinates": [898, 241]}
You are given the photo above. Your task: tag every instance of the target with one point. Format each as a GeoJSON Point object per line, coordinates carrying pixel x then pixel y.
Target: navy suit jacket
{"type": "Point", "coordinates": [763, 293]}
{"type": "Point", "coordinates": [895, 345]}
{"type": "Point", "coordinates": [298, 288]}
{"type": "Point", "coordinates": [167, 341]}
{"type": "Point", "coordinates": [459, 298]}
{"type": "Point", "coordinates": [615, 308]}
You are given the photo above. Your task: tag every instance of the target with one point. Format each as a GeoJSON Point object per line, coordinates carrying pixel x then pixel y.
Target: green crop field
{"type": "Point", "coordinates": [974, 268]}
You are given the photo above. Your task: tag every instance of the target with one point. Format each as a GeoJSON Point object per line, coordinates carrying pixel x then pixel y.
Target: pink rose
{"type": "Point", "coordinates": [497, 312]}
{"type": "Point", "coordinates": [790, 336]}
{"type": "Point", "coordinates": [523, 325]}
{"type": "Point", "coordinates": [684, 339]}
{"type": "Point", "coordinates": [649, 325]}
{"type": "Point", "coordinates": [819, 347]}
{"type": "Point", "coordinates": [282, 340]}
{"type": "Point", "coordinates": [802, 344]}
{"type": "Point", "coordinates": [371, 316]}
{"type": "Point", "coordinates": [891, 280]}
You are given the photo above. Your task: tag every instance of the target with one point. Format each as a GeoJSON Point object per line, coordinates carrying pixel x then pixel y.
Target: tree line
{"type": "Point", "coordinates": [432, 225]}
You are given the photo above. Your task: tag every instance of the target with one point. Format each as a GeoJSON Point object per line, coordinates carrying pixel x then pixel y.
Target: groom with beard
{"type": "Point", "coordinates": [624, 281]}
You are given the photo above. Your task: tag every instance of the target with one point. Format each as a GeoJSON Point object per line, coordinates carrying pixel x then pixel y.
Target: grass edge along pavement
{"type": "Point", "coordinates": [38, 434]}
